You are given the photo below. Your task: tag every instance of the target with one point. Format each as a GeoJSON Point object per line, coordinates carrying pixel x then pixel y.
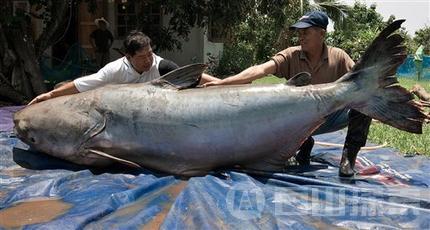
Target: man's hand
{"type": "Point", "coordinates": [213, 83]}
{"type": "Point", "coordinates": [65, 89]}
{"type": "Point", "coordinates": [41, 97]}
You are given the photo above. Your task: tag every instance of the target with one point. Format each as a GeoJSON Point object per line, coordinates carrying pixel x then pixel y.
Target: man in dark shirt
{"type": "Point", "coordinates": [326, 64]}
{"type": "Point", "coordinates": [101, 40]}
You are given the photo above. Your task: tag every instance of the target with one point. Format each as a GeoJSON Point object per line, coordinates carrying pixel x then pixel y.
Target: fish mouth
{"type": "Point", "coordinates": [22, 136]}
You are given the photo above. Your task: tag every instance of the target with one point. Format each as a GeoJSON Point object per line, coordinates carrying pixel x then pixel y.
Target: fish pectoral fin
{"type": "Point", "coordinates": [300, 79]}
{"type": "Point", "coordinates": [103, 154]}
{"type": "Point", "coordinates": [96, 128]}
{"type": "Point", "coordinates": [182, 78]}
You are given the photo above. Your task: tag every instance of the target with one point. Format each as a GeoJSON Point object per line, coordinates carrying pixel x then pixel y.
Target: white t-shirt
{"type": "Point", "coordinates": [118, 72]}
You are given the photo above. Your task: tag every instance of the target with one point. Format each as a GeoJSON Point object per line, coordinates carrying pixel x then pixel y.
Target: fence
{"type": "Point", "coordinates": [409, 70]}
{"type": "Point", "coordinates": [75, 64]}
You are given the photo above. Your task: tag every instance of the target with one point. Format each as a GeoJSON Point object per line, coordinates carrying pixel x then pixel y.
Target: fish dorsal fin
{"type": "Point", "coordinates": [300, 79]}
{"type": "Point", "coordinates": [182, 78]}
{"type": "Point", "coordinates": [103, 154]}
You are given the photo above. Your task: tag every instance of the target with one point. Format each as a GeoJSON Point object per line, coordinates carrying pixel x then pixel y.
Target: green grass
{"type": "Point", "coordinates": [269, 80]}
{"type": "Point", "coordinates": [380, 133]}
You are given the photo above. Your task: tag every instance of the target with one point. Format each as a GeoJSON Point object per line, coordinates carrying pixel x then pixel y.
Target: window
{"type": "Point", "coordinates": [22, 7]}
{"type": "Point", "coordinates": [151, 20]}
{"type": "Point", "coordinates": [126, 17]}
{"type": "Point", "coordinates": [129, 12]}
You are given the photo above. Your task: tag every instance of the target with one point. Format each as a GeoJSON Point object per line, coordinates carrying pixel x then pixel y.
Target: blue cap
{"type": "Point", "coordinates": [312, 18]}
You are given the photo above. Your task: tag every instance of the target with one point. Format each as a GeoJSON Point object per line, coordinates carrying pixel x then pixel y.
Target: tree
{"type": "Point", "coordinates": [265, 30]}
{"type": "Point", "coordinates": [20, 76]}
{"type": "Point", "coordinates": [361, 26]}
{"type": "Point", "coordinates": [422, 37]}
{"type": "Point", "coordinates": [359, 29]}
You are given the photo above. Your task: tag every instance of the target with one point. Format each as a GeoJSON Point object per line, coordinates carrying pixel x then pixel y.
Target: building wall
{"type": "Point", "coordinates": [195, 49]}
{"type": "Point", "coordinates": [212, 48]}
{"type": "Point", "coordinates": [192, 50]}
{"type": "Point", "coordinates": [86, 24]}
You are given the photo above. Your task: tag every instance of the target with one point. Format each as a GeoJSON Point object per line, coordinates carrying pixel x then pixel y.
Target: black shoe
{"type": "Point", "coordinates": [347, 163]}
{"type": "Point", "coordinates": [304, 155]}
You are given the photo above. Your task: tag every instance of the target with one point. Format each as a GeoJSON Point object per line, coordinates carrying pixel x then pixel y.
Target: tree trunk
{"type": "Point", "coordinates": [55, 25]}
{"type": "Point", "coordinates": [24, 48]}
{"type": "Point", "coordinates": [20, 75]}
{"type": "Point", "coordinates": [9, 94]}
{"type": "Point", "coordinates": [8, 66]}
{"type": "Point", "coordinates": [21, 78]}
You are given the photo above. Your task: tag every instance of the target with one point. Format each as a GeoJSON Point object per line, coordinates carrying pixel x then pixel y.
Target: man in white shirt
{"type": "Point", "coordinates": [139, 65]}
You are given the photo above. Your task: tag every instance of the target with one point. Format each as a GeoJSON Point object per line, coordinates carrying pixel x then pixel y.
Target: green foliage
{"type": "Point", "coordinates": [224, 14]}
{"type": "Point", "coordinates": [265, 31]}
{"type": "Point", "coordinates": [410, 44]}
{"type": "Point", "coordinates": [362, 26]}
{"type": "Point", "coordinates": [422, 37]}
{"type": "Point", "coordinates": [334, 9]}
{"type": "Point", "coordinates": [165, 40]}
{"type": "Point", "coordinates": [254, 39]}
{"type": "Point", "coordinates": [354, 47]}
{"type": "Point", "coordinates": [235, 58]}
{"type": "Point", "coordinates": [259, 31]}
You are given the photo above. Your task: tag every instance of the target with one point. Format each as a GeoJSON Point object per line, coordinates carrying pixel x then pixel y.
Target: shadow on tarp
{"type": "Point", "coordinates": [30, 159]}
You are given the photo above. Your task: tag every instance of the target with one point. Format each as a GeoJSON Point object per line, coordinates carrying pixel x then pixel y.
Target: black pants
{"type": "Point", "coordinates": [358, 126]}
{"type": "Point", "coordinates": [358, 129]}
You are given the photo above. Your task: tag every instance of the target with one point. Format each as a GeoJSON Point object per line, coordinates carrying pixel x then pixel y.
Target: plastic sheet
{"type": "Point", "coordinates": [408, 68]}
{"type": "Point", "coordinates": [38, 191]}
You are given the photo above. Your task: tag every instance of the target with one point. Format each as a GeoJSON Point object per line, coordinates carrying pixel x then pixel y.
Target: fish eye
{"type": "Point", "coordinates": [33, 140]}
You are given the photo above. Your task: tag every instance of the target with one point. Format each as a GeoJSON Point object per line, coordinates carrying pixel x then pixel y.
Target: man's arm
{"type": "Point", "coordinates": [67, 89]}
{"type": "Point", "coordinates": [248, 75]}
{"type": "Point", "coordinates": [207, 78]}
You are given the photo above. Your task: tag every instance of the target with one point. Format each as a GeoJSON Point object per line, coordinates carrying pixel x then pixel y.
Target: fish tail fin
{"type": "Point", "coordinates": [376, 90]}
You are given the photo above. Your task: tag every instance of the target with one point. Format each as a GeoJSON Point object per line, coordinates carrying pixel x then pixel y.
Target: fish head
{"type": "Point", "coordinates": [55, 128]}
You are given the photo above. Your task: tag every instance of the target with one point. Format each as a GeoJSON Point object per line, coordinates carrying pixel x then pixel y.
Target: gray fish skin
{"type": "Point", "coordinates": [180, 132]}
{"type": "Point", "coordinates": [193, 131]}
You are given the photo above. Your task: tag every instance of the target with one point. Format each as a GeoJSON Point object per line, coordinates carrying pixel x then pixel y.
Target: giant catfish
{"type": "Point", "coordinates": [171, 126]}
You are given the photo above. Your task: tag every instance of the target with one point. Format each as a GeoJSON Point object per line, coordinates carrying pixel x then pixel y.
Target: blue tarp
{"type": "Point", "coordinates": [391, 191]}
{"type": "Point", "coordinates": [408, 68]}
